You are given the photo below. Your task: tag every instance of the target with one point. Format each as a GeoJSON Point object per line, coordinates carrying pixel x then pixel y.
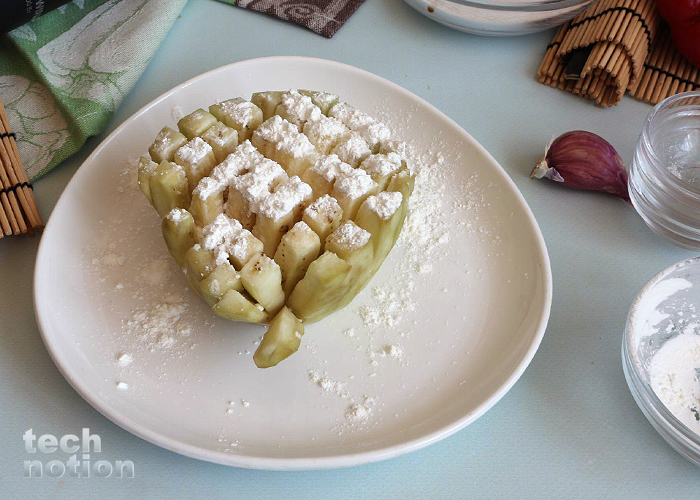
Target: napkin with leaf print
{"type": "Point", "coordinates": [63, 75]}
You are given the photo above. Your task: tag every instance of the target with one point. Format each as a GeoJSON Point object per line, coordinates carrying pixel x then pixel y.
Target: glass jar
{"type": "Point", "coordinates": [664, 177]}
{"type": "Point", "coordinates": [660, 314]}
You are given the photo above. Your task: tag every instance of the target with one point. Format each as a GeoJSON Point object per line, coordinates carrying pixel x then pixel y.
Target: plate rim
{"type": "Point", "coordinates": [279, 464]}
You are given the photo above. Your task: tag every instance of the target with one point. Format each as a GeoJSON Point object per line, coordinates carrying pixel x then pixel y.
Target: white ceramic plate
{"type": "Point", "coordinates": [478, 319]}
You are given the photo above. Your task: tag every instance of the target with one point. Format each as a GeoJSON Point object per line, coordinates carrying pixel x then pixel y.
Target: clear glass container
{"type": "Point", "coordinates": [664, 177]}
{"type": "Point", "coordinates": [662, 311]}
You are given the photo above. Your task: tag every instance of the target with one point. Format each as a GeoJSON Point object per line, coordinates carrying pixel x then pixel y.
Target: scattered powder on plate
{"type": "Point", "coordinates": [328, 384]}
{"type": "Point", "coordinates": [423, 235]}
{"type": "Point", "coordinates": [229, 445]}
{"type": "Point", "coordinates": [360, 412]}
{"type": "Point", "coordinates": [357, 412]}
{"type": "Point", "coordinates": [110, 259]}
{"type": "Point", "coordinates": [162, 324]}
{"type": "Point", "coordinates": [391, 351]}
{"type": "Point", "coordinates": [124, 359]}
{"type": "Point", "coordinates": [176, 113]}
{"type": "Point", "coordinates": [385, 309]}
{"type": "Point", "coordinates": [157, 272]}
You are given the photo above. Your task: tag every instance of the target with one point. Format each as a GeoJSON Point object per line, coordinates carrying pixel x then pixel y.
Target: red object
{"type": "Point", "coordinates": [683, 16]}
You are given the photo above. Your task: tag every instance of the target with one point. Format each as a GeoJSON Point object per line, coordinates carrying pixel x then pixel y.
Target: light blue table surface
{"type": "Point", "coordinates": [568, 429]}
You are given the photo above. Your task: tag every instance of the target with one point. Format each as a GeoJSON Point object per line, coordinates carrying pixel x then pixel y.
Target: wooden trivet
{"type": "Point", "coordinates": [19, 213]}
{"type": "Point", "coordinates": [614, 47]}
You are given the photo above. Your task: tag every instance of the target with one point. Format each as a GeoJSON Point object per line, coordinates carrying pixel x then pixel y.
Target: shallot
{"type": "Point", "coordinates": [583, 160]}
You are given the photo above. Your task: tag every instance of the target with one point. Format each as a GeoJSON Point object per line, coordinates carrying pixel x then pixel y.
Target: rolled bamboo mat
{"type": "Point", "coordinates": [665, 72]}
{"type": "Point", "coordinates": [614, 47]}
{"type": "Point", "coordinates": [19, 213]}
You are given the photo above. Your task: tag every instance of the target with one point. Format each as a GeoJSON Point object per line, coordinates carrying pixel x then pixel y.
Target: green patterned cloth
{"type": "Point", "coordinates": [63, 75]}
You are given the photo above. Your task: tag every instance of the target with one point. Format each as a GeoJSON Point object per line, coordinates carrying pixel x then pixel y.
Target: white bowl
{"type": "Point", "coordinates": [500, 17]}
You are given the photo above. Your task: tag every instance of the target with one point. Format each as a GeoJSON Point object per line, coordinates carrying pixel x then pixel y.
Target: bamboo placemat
{"type": "Point", "coordinates": [614, 47]}
{"type": "Point", "coordinates": [665, 73]}
{"type": "Point", "coordinates": [19, 213]}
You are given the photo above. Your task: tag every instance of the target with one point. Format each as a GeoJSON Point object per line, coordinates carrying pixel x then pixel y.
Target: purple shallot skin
{"type": "Point", "coordinates": [583, 160]}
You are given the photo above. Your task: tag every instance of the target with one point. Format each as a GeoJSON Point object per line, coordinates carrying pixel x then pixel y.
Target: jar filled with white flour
{"type": "Point", "coordinates": [661, 355]}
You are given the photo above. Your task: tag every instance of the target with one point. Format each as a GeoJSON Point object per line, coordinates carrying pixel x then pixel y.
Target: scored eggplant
{"type": "Point", "coordinates": [280, 209]}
